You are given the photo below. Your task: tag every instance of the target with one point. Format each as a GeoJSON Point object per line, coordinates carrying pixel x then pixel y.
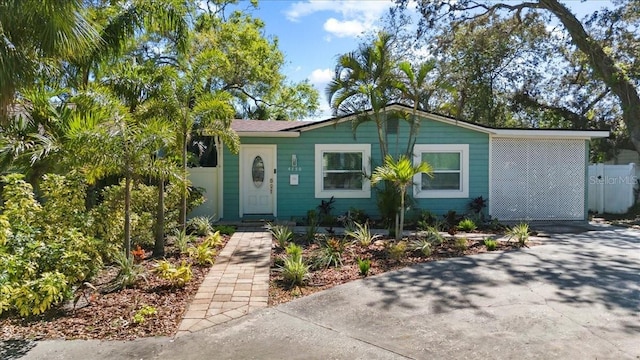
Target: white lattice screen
{"type": "Point", "coordinates": [537, 179]}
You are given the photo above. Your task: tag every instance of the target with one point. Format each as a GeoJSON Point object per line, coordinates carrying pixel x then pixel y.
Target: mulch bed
{"type": "Point", "coordinates": [109, 315]}
{"type": "Point", "coordinates": [324, 278]}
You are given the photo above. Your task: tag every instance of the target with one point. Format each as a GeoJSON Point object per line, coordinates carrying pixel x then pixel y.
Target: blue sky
{"type": "Point", "coordinates": [313, 33]}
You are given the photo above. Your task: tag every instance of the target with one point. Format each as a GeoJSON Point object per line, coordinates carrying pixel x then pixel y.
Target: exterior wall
{"type": "Point", "coordinates": [295, 200]}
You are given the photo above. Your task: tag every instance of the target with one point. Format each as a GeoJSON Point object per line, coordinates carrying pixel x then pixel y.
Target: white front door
{"type": "Point", "coordinates": [257, 179]}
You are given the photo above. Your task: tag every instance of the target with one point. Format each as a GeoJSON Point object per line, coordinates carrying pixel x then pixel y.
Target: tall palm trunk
{"type": "Point", "coordinates": [183, 196]}
{"type": "Point", "coordinates": [158, 246]}
{"type": "Point", "coordinates": [127, 214]}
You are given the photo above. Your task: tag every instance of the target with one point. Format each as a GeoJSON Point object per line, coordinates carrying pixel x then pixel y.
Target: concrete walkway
{"type": "Point", "coordinates": [237, 284]}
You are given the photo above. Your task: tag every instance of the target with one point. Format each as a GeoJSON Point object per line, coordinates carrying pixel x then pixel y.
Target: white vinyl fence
{"type": "Point", "coordinates": [611, 187]}
{"type": "Point", "coordinates": [206, 178]}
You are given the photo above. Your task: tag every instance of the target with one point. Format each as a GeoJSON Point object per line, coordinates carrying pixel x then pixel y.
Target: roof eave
{"type": "Point", "coordinates": [548, 134]}
{"type": "Point", "coordinates": [271, 134]}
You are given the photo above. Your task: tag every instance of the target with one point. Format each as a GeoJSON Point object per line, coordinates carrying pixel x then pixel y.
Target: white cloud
{"type": "Point", "coordinates": [354, 18]}
{"type": "Point", "coordinates": [320, 76]}
{"type": "Point", "coordinates": [348, 28]}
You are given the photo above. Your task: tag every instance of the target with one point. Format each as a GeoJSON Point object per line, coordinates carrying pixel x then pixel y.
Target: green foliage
{"type": "Point", "coordinates": [467, 225]}
{"type": "Point", "coordinates": [312, 225]}
{"type": "Point", "coordinates": [294, 251]}
{"type": "Point", "coordinates": [225, 229]}
{"type": "Point", "coordinates": [182, 241]}
{"type": "Point", "coordinates": [213, 239]}
{"type": "Point", "coordinates": [520, 233]}
{"type": "Point", "coordinates": [423, 245]}
{"type": "Point", "coordinates": [202, 254]}
{"type": "Point", "coordinates": [129, 273]}
{"type": "Point", "coordinates": [364, 265]}
{"type": "Point", "coordinates": [199, 225]}
{"type": "Point", "coordinates": [143, 314]}
{"type": "Point", "coordinates": [177, 276]}
{"type": "Point", "coordinates": [294, 271]}
{"type": "Point", "coordinates": [433, 235]}
{"type": "Point", "coordinates": [461, 244]}
{"type": "Point", "coordinates": [397, 250]}
{"type": "Point", "coordinates": [43, 249]}
{"type": "Point", "coordinates": [282, 234]}
{"type": "Point", "coordinates": [109, 214]}
{"type": "Point", "coordinates": [331, 250]}
{"type": "Point", "coordinates": [491, 244]}
{"type": "Point", "coordinates": [361, 234]}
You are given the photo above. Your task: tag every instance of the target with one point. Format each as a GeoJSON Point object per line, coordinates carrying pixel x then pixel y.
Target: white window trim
{"type": "Point", "coordinates": [365, 149]}
{"type": "Point", "coordinates": [463, 149]}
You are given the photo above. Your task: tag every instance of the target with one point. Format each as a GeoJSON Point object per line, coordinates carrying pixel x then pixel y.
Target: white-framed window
{"type": "Point", "coordinates": [340, 170]}
{"type": "Point", "coordinates": [450, 164]}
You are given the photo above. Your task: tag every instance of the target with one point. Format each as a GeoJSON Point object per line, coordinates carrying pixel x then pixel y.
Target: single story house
{"type": "Point", "coordinates": [284, 169]}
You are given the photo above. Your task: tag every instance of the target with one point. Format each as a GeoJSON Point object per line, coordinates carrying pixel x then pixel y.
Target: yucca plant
{"type": "Point", "coordinates": [129, 272]}
{"type": "Point", "coordinates": [331, 251]}
{"type": "Point", "coordinates": [461, 244]}
{"type": "Point", "coordinates": [361, 234]}
{"type": "Point", "coordinates": [182, 240]}
{"type": "Point", "coordinates": [294, 271]}
{"type": "Point", "coordinates": [423, 245]}
{"type": "Point", "coordinates": [282, 234]}
{"type": "Point", "coordinates": [199, 225]}
{"type": "Point", "coordinates": [520, 233]}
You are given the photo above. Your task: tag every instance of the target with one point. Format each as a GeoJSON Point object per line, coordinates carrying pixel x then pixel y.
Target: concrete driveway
{"type": "Point", "coordinates": [575, 297]}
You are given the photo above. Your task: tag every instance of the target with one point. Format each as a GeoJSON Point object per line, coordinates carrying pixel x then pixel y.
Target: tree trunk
{"type": "Point", "coordinates": [604, 66]}
{"type": "Point", "coordinates": [183, 196]}
{"type": "Point", "coordinates": [127, 215]}
{"type": "Point", "coordinates": [401, 226]}
{"type": "Point", "coordinates": [158, 247]}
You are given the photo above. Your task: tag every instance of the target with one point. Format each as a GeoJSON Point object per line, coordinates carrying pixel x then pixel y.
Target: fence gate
{"type": "Point", "coordinates": [537, 179]}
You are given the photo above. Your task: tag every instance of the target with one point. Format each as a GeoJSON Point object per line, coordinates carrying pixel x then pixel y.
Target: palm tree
{"type": "Point", "coordinates": [34, 35]}
{"type": "Point", "coordinates": [365, 79]}
{"type": "Point", "coordinates": [400, 173]}
{"type": "Point", "coordinates": [416, 88]}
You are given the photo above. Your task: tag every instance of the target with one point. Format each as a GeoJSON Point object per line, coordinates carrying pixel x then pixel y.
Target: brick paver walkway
{"type": "Point", "coordinates": [237, 283]}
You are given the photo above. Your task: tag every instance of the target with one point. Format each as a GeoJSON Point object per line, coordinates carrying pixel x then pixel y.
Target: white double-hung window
{"type": "Point", "coordinates": [340, 170]}
{"type": "Point", "coordinates": [450, 164]}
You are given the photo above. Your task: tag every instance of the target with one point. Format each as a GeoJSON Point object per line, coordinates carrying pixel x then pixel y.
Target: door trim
{"type": "Point", "coordinates": [241, 174]}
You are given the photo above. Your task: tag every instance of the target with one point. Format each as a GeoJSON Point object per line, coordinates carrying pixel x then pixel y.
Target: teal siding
{"type": "Point", "coordinates": [295, 200]}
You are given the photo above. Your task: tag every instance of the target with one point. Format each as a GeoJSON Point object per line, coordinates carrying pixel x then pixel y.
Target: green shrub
{"type": "Point", "coordinates": [145, 312]}
{"type": "Point", "coordinates": [461, 244]}
{"type": "Point", "coordinates": [109, 214]}
{"type": "Point", "coordinates": [364, 265]}
{"type": "Point", "coordinates": [294, 251]}
{"type": "Point", "coordinates": [294, 271]}
{"type": "Point", "coordinates": [467, 225]}
{"type": "Point", "coordinates": [225, 229]}
{"type": "Point", "coordinates": [491, 244]}
{"type": "Point", "coordinates": [282, 234]}
{"type": "Point", "coordinates": [129, 273]}
{"type": "Point", "coordinates": [361, 234]}
{"type": "Point", "coordinates": [177, 276]}
{"type": "Point", "coordinates": [44, 247]}
{"type": "Point", "coordinates": [331, 251]}
{"type": "Point", "coordinates": [202, 254]}
{"type": "Point", "coordinates": [213, 239]}
{"type": "Point", "coordinates": [423, 245]}
{"type": "Point", "coordinates": [312, 225]}
{"type": "Point", "coordinates": [182, 240]}
{"type": "Point", "coordinates": [397, 250]}
{"type": "Point", "coordinates": [433, 235]}
{"type": "Point", "coordinates": [520, 232]}
{"type": "Point", "coordinates": [199, 225]}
